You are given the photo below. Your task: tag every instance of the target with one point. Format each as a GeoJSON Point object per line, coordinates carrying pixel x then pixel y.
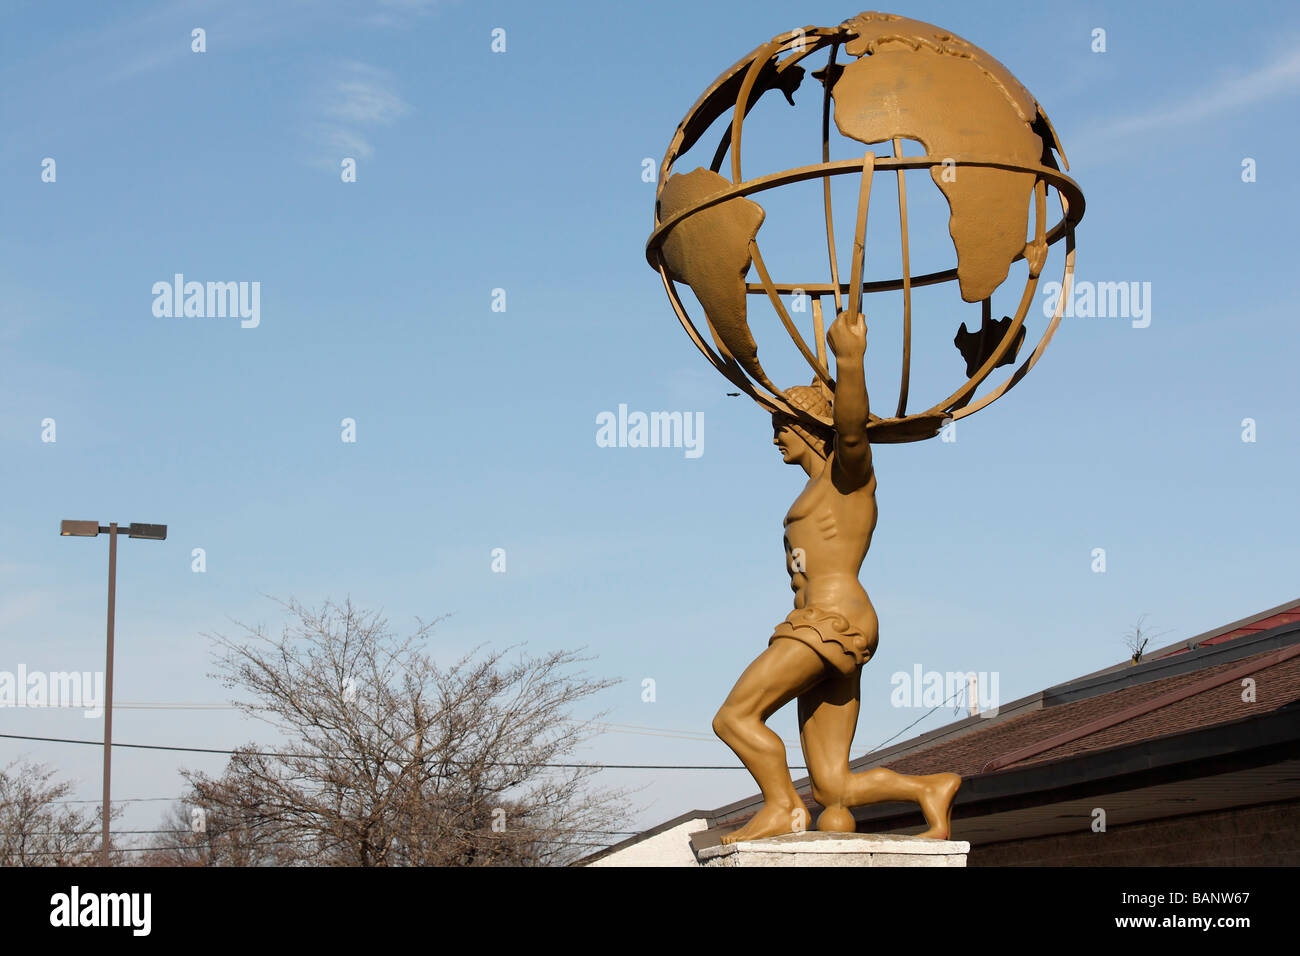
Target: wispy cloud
{"type": "Point", "coordinates": [359, 100]}
{"type": "Point", "coordinates": [364, 95]}
{"type": "Point", "coordinates": [340, 142]}
{"type": "Point", "coordinates": [96, 57]}
{"type": "Point", "coordinates": [160, 39]}
{"type": "Point", "coordinates": [1279, 78]}
{"type": "Point", "coordinates": [390, 13]}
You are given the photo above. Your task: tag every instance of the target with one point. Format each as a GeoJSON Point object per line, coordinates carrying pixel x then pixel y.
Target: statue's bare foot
{"type": "Point", "coordinates": [773, 820]}
{"type": "Point", "coordinates": [936, 803]}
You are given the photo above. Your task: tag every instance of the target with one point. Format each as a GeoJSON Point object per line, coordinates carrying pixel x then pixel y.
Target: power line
{"type": "Point", "coordinates": [605, 727]}
{"type": "Point", "coordinates": [913, 723]}
{"type": "Point", "coordinates": [306, 840]}
{"type": "Point", "coordinates": [119, 800]}
{"type": "Point", "coordinates": [272, 753]}
{"type": "Point", "coordinates": [173, 831]}
{"type": "Point", "coordinates": [616, 728]}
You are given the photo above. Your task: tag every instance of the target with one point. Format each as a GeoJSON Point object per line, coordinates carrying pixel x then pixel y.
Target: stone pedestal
{"type": "Point", "coordinates": [837, 849]}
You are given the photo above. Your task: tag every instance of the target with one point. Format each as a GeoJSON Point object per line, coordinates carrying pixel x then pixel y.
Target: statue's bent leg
{"type": "Point", "coordinates": [782, 672]}
{"type": "Point", "coordinates": [828, 716]}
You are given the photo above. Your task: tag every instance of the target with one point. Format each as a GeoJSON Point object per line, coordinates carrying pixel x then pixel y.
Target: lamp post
{"type": "Point", "coordinates": [89, 529]}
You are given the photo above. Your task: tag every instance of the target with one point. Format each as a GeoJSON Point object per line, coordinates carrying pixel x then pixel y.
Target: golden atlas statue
{"type": "Point", "coordinates": [992, 152]}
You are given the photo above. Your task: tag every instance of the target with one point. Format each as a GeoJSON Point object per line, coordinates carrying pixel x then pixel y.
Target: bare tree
{"type": "Point", "coordinates": [390, 759]}
{"type": "Point", "coordinates": [193, 836]}
{"type": "Point", "coordinates": [35, 829]}
{"type": "Point", "coordinates": [1136, 640]}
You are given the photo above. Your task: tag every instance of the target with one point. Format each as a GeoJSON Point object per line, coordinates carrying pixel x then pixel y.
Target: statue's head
{"type": "Point", "coordinates": [795, 437]}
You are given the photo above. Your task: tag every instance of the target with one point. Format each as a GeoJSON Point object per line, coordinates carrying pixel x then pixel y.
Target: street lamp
{"type": "Point", "coordinates": [89, 529]}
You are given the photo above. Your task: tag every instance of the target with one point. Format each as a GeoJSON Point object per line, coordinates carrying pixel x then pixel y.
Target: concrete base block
{"type": "Point", "coordinates": [814, 848]}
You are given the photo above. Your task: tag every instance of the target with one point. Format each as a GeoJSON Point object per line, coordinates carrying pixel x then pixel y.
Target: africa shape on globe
{"type": "Point", "coordinates": [989, 148]}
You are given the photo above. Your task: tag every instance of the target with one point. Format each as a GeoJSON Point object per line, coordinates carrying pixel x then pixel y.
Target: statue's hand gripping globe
{"type": "Point", "coordinates": [989, 148]}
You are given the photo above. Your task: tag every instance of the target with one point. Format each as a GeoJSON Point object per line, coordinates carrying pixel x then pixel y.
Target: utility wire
{"type": "Point", "coordinates": [558, 766]}
{"type": "Point", "coordinates": [272, 753]}
{"type": "Point", "coordinates": [173, 830]}
{"type": "Point", "coordinates": [914, 723]}
{"type": "Point", "coordinates": [149, 849]}
{"type": "Point", "coordinates": [604, 727]}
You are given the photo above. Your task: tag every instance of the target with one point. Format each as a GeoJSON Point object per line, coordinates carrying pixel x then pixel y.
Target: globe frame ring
{"type": "Point", "coordinates": [920, 425]}
{"type": "Point", "coordinates": [1068, 189]}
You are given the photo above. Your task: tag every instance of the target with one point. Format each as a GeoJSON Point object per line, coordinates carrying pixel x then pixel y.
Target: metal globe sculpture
{"type": "Point", "coordinates": [989, 148]}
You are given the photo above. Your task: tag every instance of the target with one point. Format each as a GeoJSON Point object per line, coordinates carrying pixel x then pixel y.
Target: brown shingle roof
{"type": "Point", "coordinates": [1276, 685]}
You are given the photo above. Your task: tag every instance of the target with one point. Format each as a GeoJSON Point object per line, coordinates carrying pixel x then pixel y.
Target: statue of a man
{"type": "Point", "coordinates": [816, 654]}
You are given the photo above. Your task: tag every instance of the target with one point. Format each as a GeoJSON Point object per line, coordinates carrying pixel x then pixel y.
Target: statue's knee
{"type": "Point", "coordinates": [724, 722]}
{"type": "Point", "coordinates": [829, 793]}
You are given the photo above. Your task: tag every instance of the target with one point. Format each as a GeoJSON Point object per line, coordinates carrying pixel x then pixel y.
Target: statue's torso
{"type": "Point", "coordinates": [827, 533]}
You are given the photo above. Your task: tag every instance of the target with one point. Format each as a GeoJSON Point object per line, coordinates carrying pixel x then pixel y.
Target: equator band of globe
{"type": "Point", "coordinates": [1071, 199]}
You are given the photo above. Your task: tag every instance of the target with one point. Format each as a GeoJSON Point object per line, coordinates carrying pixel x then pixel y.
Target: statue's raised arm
{"type": "Point", "coordinates": [848, 343]}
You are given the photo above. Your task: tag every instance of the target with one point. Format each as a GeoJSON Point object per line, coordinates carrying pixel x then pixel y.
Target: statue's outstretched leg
{"type": "Point", "coordinates": [782, 672]}
{"type": "Point", "coordinates": [828, 716]}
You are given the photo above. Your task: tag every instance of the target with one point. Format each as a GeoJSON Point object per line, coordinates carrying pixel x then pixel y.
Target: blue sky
{"type": "Point", "coordinates": [476, 429]}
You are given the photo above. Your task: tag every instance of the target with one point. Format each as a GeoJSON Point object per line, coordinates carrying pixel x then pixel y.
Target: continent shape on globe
{"type": "Point", "coordinates": [914, 81]}
{"type": "Point", "coordinates": [709, 251]}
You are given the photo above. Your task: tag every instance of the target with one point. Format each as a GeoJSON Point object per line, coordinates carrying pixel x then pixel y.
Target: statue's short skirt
{"type": "Point", "coordinates": [843, 645]}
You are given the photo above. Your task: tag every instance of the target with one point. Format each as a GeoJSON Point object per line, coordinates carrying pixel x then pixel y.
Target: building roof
{"type": "Point", "coordinates": [1141, 711]}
